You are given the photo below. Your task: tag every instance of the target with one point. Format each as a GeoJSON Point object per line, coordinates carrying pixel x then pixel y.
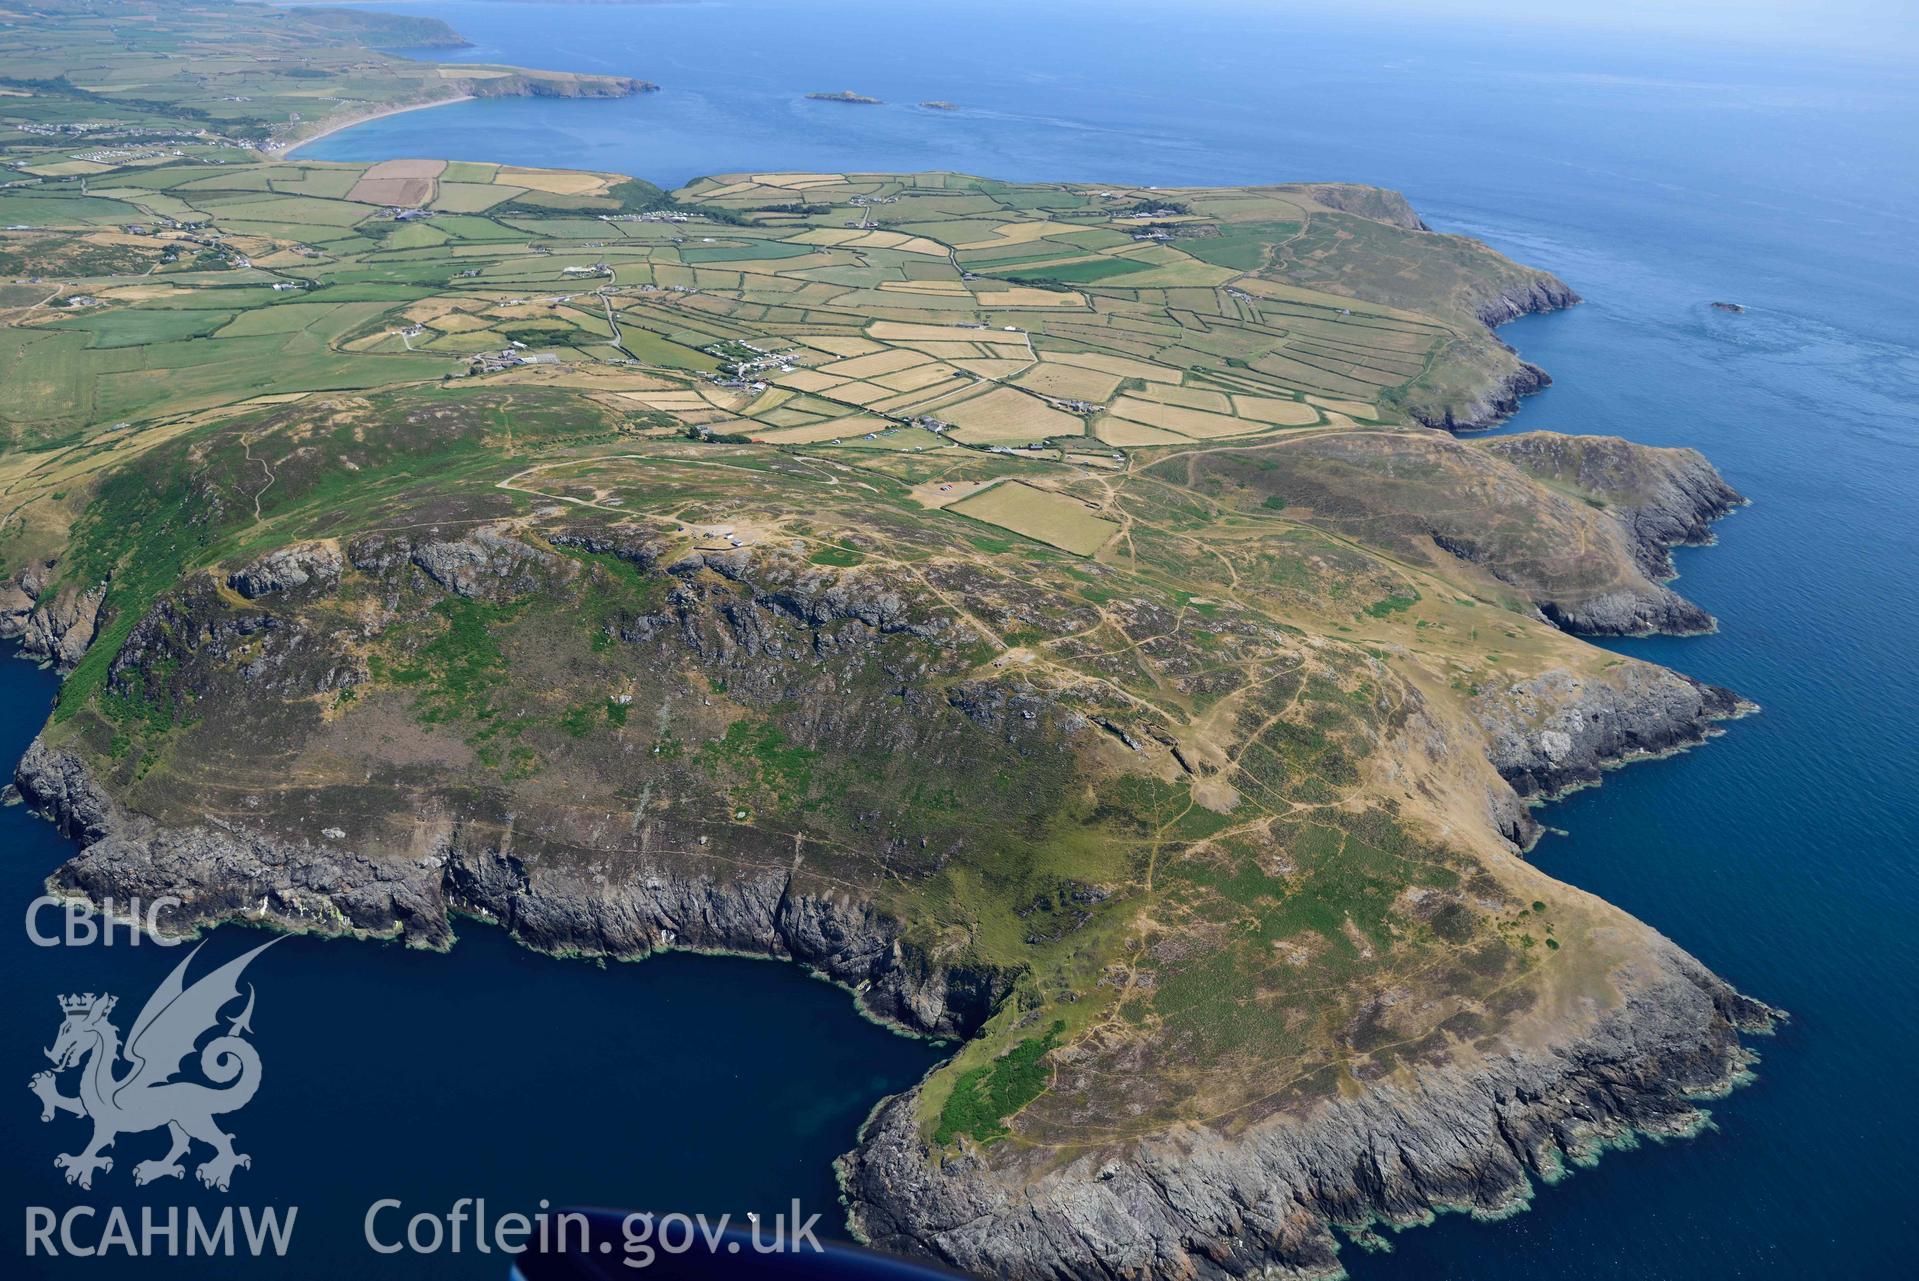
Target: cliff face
{"type": "Point", "coordinates": [55, 624]}
{"type": "Point", "coordinates": [1264, 1201]}
{"type": "Point", "coordinates": [544, 84]}
{"type": "Point", "coordinates": [1496, 396]}
{"type": "Point", "coordinates": [1540, 292]}
{"type": "Point", "coordinates": [1590, 561]}
{"type": "Point", "coordinates": [1558, 731]}
{"type": "Point", "coordinates": [1377, 203]}
{"type": "Point", "coordinates": [1213, 1200]}
{"type": "Point", "coordinates": [222, 872]}
{"type": "Point", "coordinates": [1665, 497]}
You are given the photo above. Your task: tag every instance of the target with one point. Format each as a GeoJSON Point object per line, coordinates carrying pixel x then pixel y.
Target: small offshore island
{"type": "Point", "coordinates": [1064, 614]}
{"type": "Point", "coordinates": [845, 95]}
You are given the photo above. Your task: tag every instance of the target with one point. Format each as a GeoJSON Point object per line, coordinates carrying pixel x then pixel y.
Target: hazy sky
{"type": "Point", "coordinates": [1875, 26]}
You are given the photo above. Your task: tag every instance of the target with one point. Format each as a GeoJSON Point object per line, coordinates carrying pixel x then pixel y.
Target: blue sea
{"type": "Point", "coordinates": [1654, 176]}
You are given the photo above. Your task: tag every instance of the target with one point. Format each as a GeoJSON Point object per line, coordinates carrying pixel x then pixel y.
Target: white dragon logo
{"type": "Point", "coordinates": [174, 1018]}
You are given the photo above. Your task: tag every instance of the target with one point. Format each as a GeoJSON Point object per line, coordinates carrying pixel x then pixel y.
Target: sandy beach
{"type": "Point", "coordinates": [351, 121]}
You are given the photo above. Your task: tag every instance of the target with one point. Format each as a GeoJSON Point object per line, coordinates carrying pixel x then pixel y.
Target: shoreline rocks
{"type": "Point", "coordinates": [52, 624]}
{"type": "Point", "coordinates": [1266, 1200]}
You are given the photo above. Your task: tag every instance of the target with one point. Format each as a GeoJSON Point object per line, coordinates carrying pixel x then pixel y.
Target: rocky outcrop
{"type": "Point", "coordinates": [52, 623]}
{"type": "Point", "coordinates": [1649, 610]}
{"type": "Point", "coordinates": [487, 563]}
{"type": "Point", "coordinates": [290, 568]}
{"type": "Point", "coordinates": [1540, 291]}
{"type": "Point", "coordinates": [220, 871]}
{"type": "Point", "coordinates": [1380, 204]}
{"type": "Point", "coordinates": [1665, 498]}
{"type": "Point", "coordinates": [1559, 731]}
{"type": "Point", "coordinates": [543, 84]}
{"type": "Point", "coordinates": [1494, 405]}
{"type": "Point", "coordinates": [1586, 562]}
{"type": "Point", "coordinates": [1499, 400]}
{"type": "Point", "coordinates": [224, 871]}
{"type": "Point", "coordinates": [1206, 1203]}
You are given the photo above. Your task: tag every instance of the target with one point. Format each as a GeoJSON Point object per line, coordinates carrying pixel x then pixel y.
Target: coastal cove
{"type": "Point", "coordinates": [717, 1084]}
{"type": "Point", "coordinates": [709, 1084]}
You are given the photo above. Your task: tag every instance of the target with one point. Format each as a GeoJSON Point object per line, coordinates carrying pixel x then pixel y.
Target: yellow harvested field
{"type": "Point", "coordinates": [1018, 233]}
{"type": "Point", "coordinates": [771, 398]}
{"type": "Point", "coordinates": [474, 73]}
{"type": "Point", "coordinates": [998, 370]}
{"type": "Point", "coordinates": [901, 244]}
{"type": "Point", "coordinates": [853, 426]}
{"type": "Point", "coordinates": [885, 362]}
{"type": "Point", "coordinates": [807, 380]}
{"type": "Point", "coordinates": [951, 288]}
{"type": "Point", "coordinates": [458, 323]}
{"type": "Point", "coordinates": [798, 181]}
{"type": "Point", "coordinates": [1355, 408]}
{"type": "Point", "coordinates": [410, 174]}
{"type": "Point", "coordinates": [950, 350]}
{"type": "Point", "coordinates": [1284, 413]}
{"type": "Point", "coordinates": [1189, 397]}
{"type": "Point", "coordinates": [730, 189]}
{"type": "Point", "coordinates": [1124, 366]}
{"type": "Point", "coordinates": [905, 331]}
{"type": "Point", "coordinates": [472, 197]}
{"type": "Point", "coordinates": [926, 399]}
{"type": "Point", "coordinates": [1021, 296]}
{"type": "Point", "coordinates": [1187, 422]}
{"type": "Point", "coordinates": [918, 376]}
{"type": "Point", "coordinates": [67, 168]}
{"type": "Point", "coordinates": [826, 236]}
{"type": "Point", "coordinates": [857, 393]}
{"type": "Point", "coordinates": [1004, 416]}
{"type": "Point", "coordinates": [403, 193]}
{"type": "Point", "coordinates": [1069, 382]}
{"type": "Point", "coordinates": [552, 181]}
{"type": "Point", "coordinates": [840, 344]}
{"type": "Point", "coordinates": [1055, 519]}
{"type": "Point", "coordinates": [405, 169]}
{"type": "Point", "coordinates": [1117, 431]}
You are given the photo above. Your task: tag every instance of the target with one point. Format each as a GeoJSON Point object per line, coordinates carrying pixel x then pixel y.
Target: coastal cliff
{"type": "Point", "coordinates": [1666, 497]}
{"type": "Point", "coordinates": [1265, 1200]}
{"type": "Point", "coordinates": [52, 623]}
{"type": "Point", "coordinates": [1588, 550]}
{"type": "Point", "coordinates": [552, 84]}
{"type": "Point", "coordinates": [1209, 1200]}
{"type": "Point", "coordinates": [1556, 732]}
{"type": "Point", "coordinates": [1503, 1095]}
{"type": "Point", "coordinates": [223, 872]}
{"type": "Point", "coordinates": [1497, 399]}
